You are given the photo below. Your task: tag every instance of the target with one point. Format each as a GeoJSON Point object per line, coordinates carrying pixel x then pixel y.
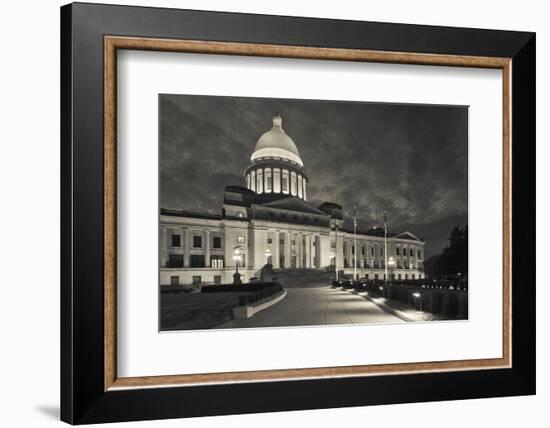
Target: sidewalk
{"type": "Point", "coordinates": [400, 310]}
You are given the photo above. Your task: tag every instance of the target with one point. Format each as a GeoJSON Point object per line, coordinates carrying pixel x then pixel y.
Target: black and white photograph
{"type": "Point", "coordinates": [286, 212]}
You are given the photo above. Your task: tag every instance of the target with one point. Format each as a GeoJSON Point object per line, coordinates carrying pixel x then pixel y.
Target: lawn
{"type": "Point", "coordinates": [190, 311]}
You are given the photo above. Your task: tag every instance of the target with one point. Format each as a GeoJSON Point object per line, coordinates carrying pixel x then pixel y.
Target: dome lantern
{"type": "Point", "coordinates": [276, 143]}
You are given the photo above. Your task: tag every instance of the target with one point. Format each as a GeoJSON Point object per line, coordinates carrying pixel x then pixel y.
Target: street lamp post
{"type": "Point", "coordinates": [391, 263]}
{"type": "Point", "coordinates": [237, 259]}
{"type": "Point", "coordinates": [334, 227]}
{"type": "Point", "coordinates": [354, 244]}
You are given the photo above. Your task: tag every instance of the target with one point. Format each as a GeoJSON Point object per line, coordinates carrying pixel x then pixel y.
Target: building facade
{"type": "Point", "coordinates": [270, 221]}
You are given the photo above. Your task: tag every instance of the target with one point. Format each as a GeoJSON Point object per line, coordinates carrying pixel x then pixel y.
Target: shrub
{"type": "Point", "coordinates": [436, 304]}
{"type": "Point", "coordinates": [223, 288]}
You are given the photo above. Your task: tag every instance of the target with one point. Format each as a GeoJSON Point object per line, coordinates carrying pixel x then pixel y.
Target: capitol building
{"type": "Point", "coordinates": [268, 221]}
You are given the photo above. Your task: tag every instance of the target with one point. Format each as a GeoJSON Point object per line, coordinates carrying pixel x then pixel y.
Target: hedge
{"type": "Point", "coordinates": [231, 288]}
{"type": "Point", "coordinates": [254, 296]}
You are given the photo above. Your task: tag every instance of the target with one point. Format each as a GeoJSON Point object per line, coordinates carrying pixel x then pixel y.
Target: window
{"type": "Point", "coordinates": [174, 281]}
{"type": "Point", "coordinates": [293, 183]}
{"type": "Point", "coordinates": [216, 262]}
{"type": "Point", "coordinates": [281, 239]}
{"type": "Point", "coordinates": [411, 253]}
{"type": "Point", "coordinates": [197, 279]}
{"type": "Point", "coordinates": [399, 276]}
{"type": "Point", "coordinates": [300, 186]}
{"type": "Point", "coordinates": [176, 241]}
{"type": "Point", "coordinates": [240, 239]}
{"type": "Point", "coordinates": [260, 181]}
{"type": "Point", "coordinates": [197, 241]}
{"type": "Point", "coordinates": [175, 260]}
{"type": "Point", "coordinates": [197, 261]}
{"type": "Point", "coordinates": [305, 198]}
{"type": "Point", "coordinates": [419, 254]}
{"type": "Point", "coordinates": [353, 249]}
{"type": "Point", "coordinates": [268, 182]}
{"type": "Point", "coordinates": [217, 279]}
{"type": "Point", "coordinates": [269, 241]}
{"type": "Point", "coordinates": [363, 251]}
{"type": "Point", "coordinates": [276, 180]}
{"type": "Point", "coordinates": [217, 242]}
{"type": "Point", "coordinates": [293, 242]}
{"type": "Point", "coordinates": [282, 262]}
{"type": "Point", "coordinates": [248, 181]}
{"type": "Point", "coordinates": [285, 181]}
{"type": "Point", "coordinates": [381, 251]}
{"type": "Point", "coordinates": [397, 251]}
{"type": "Point", "coordinates": [406, 276]}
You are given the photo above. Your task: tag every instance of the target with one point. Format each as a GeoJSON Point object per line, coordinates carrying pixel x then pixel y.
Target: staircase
{"type": "Point", "coordinates": [302, 277]}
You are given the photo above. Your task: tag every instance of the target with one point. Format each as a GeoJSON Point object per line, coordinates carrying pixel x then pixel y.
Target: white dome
{"type": "Point", "coordinates": [276, 143]}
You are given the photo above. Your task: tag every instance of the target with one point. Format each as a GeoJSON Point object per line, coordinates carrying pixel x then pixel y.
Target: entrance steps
{"type": "Point", "coordinates": [301, 277]}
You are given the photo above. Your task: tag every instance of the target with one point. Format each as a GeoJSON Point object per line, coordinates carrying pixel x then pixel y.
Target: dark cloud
{"type": "Point", "coordinates": [409, 160]}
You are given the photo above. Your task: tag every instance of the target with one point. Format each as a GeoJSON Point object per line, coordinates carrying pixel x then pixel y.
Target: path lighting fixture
{"type": "Point", "coordinates": [418, 296]}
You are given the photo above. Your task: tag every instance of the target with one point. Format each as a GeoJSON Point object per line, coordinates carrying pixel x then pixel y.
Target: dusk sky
{"type": "Point", "coordinates": [409, 160]}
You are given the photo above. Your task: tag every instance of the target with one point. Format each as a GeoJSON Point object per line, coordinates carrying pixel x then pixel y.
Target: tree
{"type": "Point", "coordinates": [453, 261]}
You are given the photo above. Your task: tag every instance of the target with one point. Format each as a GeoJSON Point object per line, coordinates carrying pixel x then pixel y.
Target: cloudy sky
{"type": "Point", "coordinates": [409, 160]}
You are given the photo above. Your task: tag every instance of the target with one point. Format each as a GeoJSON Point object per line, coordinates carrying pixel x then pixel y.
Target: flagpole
{"type": "Point", "coordinates": [354, 244]}
{"type": "Point", "coordinates": [385, 247]}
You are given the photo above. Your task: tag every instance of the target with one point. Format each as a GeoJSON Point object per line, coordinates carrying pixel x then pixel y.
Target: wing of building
{"type": "Point", "coordinates": [270, 221]}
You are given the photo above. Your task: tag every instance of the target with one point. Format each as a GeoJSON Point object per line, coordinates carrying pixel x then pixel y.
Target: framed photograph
{"type": "Point", "coordinates": [272, 213]}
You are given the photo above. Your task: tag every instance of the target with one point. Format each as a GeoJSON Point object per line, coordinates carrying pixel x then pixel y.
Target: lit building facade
{"type": "Point", "coordinates": [270, 221]}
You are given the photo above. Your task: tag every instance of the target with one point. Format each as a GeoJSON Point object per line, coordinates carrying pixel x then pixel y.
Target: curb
{"type": "Point", "coordinates": [243, 312]}
{"type": "Point", "coordinates": [387, 308]}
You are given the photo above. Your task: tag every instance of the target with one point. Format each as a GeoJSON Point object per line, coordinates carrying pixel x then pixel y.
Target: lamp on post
{"type": "Point", "coordinates": [237, 259]}
{"type": "Point", "coordinates": [391, 264]}
{"type": "Point", "coordinates": [334, 226]}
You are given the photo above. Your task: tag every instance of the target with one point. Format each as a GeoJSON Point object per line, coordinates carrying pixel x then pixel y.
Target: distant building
{"type": "Point", "coordinates": [270, 222]}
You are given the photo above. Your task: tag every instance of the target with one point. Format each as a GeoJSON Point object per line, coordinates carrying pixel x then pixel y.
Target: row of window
{"type": "Point", "coordinates": [217, 244]}
{"type": "Point", "coordinates": [398, 251]}
{"type": "Point", "coordinates": [197, 241]}
{"type": "Point", "coordinates": [197, 279]}
{"type": "Point", "coordinates": [375, 264]}
{"type": "Point", "coordinates": [268, 180]}
{"type": "Point", "coordinates": [197, 261]}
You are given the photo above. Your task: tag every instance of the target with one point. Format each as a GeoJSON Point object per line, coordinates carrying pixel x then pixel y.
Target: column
{"type": "Point", "coordinates": [287, 249]}
{"type": "Point", "coordinates": [186, 236]}
{"type": "Point", "coordinates": [299, 250]}
{"type": "Point", "coordinates": [207, 248]}
{"type": "Point", "coordinates": [276, 251]}
{"type": "Point", "coordinates": [317, 251]}
{"type": "Point", "coordinates": [163, 246]}
{"type": "Point", "coordinates": [308, 251]}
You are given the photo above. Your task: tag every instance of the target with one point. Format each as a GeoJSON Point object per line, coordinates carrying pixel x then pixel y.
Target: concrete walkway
{"type": "Point", "coordinates": [316, 305]}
